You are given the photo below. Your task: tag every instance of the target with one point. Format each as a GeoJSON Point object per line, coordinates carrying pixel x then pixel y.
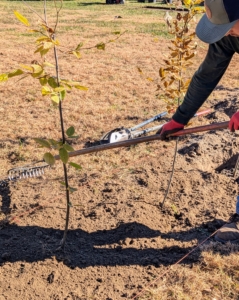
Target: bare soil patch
{"type": "Point", "coordinates": [119, 238]}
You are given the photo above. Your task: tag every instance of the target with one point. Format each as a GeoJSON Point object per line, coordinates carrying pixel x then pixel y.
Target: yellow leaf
{"type": "Point", "coordinates": [59, 89]}
{"type": "Point", "coordinates": [33, 30]}
{"type": "Point", "coordinates": [174, 54]}
{"type": "Point", "coordinates": [187, 2]}
{"type": "Point", "coordinates": [3, 77]}
{"type": "Point", "coordinates": [72, 83]}
{"type": "Point", "coordinates": [161, 73]}
{"type": "Point", "coordinates": [37, 75]}
{"type": "Point", "coordinates": [199, 9]}
{"type": "Point", "coordinates": [172, 81]}
{"type": "Point", "coordinates": [190, 56]}
{"type": "Point", "coordinates": [55, 98]}
{"type": "Point", "coordinates": [37, 69]}
{"type": "Point", "coordinates": [150, 79]}
{"type": "Point", "coordinates": [43, 52]}
{"type": "Point", "coordinates": [29, 68]}
{"type": "Point", "coordinates": [165, 84]}
{"type": "Point", "coordinates": [190, 123]}
{"type": "Point", "coordinates": [47, 64]}
{"type": "Point", "coordinates": [45, 90]}
{"type": "Point", "coordinates": [56, 42]}
{"type": "Point", "coordinates": [77, 54]}
{"type": "Point", "coordinates": [21, 18]}
{"type": "Point", "coordinates": [186, 84]}
{"type": "Point", "coordinates": [38, 49]}
{"type": "Point", "coordinates": [80, 87]}
{"type": "Point", "coordinates": [48, 45]}
{"type": "Point", "coordinates": [43, 38]}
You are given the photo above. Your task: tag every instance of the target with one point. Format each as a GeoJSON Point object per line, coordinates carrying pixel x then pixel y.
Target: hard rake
{"type": "Point", "coordinates": [37, 169]}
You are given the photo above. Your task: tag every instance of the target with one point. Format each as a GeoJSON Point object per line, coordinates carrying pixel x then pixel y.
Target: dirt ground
{"type": "Point", "coordinates": [119, 238]}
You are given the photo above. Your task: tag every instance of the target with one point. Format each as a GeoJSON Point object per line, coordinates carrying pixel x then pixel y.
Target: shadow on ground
{"type": "Point", "coordinates": [91, 3]}
{"type": "Point", "coordinates": [102, 247]}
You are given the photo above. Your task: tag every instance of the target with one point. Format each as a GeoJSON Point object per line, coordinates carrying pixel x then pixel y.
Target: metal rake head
{"type": "Point", "coordinates": [27, 171]}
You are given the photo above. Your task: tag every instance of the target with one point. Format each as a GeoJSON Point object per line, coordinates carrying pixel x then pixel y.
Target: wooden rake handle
{"type": "Point", "coordinates": [215, 126]}
{"type": "Point", "coordinates": [222, 125]}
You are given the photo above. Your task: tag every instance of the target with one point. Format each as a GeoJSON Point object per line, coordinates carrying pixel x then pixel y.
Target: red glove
{"type": "Point", "coordinates": [234, 122]}
{"type": "Point", "coordinates": [170, 127]}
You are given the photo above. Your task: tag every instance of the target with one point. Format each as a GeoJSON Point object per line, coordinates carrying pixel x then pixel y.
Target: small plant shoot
{"type": "Point", "coordinates": [181, 51]}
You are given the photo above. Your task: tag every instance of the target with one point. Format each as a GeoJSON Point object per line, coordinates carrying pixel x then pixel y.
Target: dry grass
{"type": "Point", "coordinates": [216, 277]}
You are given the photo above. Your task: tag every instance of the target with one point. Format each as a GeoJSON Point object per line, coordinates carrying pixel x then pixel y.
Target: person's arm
{"type": "Point", "coordinates": [205, 80]}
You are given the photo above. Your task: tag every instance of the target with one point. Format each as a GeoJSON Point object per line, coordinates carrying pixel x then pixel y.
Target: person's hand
{"type": "Point", "coordinates": [170, 127]}
{"type": "Point", "coordinates": [234, 122]}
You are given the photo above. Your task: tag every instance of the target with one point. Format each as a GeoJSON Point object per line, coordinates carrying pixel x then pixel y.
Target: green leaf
{"type": "Point", "coordinates": [43, 81]}
{"type": "Point", "coordinates": [74, 165]}
{"type": "Point", "coordinates": [36, 75]}
{"type": "Point", "coordinates": [55, 144]}
{"type": "Point", "coordinates": [79, 46]}
{"type": "Point", "coordinates": [63, 94]}
{"type": "Point", "coordinates": [49, 158]}
{"type": "Point", "coordinates": [100, 46]}
{"type": "Point", "coordinates": [21, 18]}
{"type": "Point", "coordinates": [3, 77]}
{"type": "Point", "coordinates": [15, 73]}
{"type": "Point", "coordinates": [68, 147]}
{"type": "Point", "coordinates": [116, 32]}
{"type": "Point", "coordinates": [43, 143]}
{"type": "Point", "coordinates": [72, 190]}
{"type": "Point", "coordinates": [81, 87]}
{"type": "Point", "coordinates": [64, 155]}
{"type": "Point", "coordinates": [52, 82]}
{"type": "Point", "coordinates": [70, 131]}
